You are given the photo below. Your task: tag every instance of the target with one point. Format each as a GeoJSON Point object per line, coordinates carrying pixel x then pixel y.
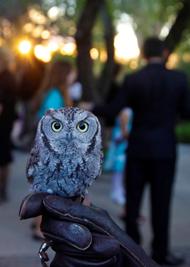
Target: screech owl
{"type": "Point", "coordinates": [67, 153]}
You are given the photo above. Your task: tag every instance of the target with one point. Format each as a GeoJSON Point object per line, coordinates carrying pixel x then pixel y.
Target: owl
{"type": "Point", "coordinates": [67, 153]}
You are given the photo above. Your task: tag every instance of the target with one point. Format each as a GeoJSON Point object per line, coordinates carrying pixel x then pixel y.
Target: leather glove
{"type": "Point", "coordinates": [81, 235]}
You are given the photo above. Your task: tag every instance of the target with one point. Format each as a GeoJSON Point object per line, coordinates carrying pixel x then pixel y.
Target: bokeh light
{"type": "Point", "coordinates": [125, 41]}
{"type": "Point", "coordinates": [53, 46]}
{"type": "Point", "coordinates": [45, 34]}
{"type": "Point", "coordinates": [103, 56]}
{"type": "Point", "coordinates": [24, 46]}
{"type": "Point", "coordinates": [37, 31]}
{"type": "Point", "coordinates": [28, 27]}
{"type": "Point", "coordinates": [36, 16]}
{"type": "Point", "coordinates": [42, 53]}
{"type": "Point", "coordinates": [172, 61]}
{"type": "Point", "coordinates": [94, 53]}
{"type": "Point", "coordinates": [68, 49]}
{"type": "Point", "coordinates": [54, 13]}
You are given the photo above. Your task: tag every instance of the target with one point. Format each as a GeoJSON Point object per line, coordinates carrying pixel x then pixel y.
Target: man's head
{"type": "Point", "coordinates": [154, 48]}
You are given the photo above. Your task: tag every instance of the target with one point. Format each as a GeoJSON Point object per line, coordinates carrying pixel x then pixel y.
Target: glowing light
{"type": "Point", "coordinates": [45, 34]}
{"type": "Point", "coordinates": [53, 13]}
{"type": "Point", "coordinates": [166, 28]}
{"type": "Point", "coordinates": [53, 46]}
{"type": "Point", "coordinates": [36, 16]}
{"type": "Point", "coordinates": [94, 53]}
{"type": "Point", "coordinates": [42, 53]}
{"type": "Point", "coordinates": [172, 61]}
{"type": "Point", "coordinates": [24, 47]}
{"type": "Point", "coordinates": [37, 31]}
{"type": "Point", "coordinates": [7, 32]}
{"type": "Point", "coordinates": [28, 27]}
{"type": "Point", "coordinates": [103, 56]}
{"type": "Point", "coordinates": [125, 42]}
{"type": "Point", "coordinates": [164, 31]}
{"type": "Point", "coordinates": [133, 64]}
{"type": "Point", "coordinates": [68, 49]}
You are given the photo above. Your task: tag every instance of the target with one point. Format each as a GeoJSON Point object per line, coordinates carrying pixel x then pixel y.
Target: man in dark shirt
{"type": "Point", "coordinates": [156, 95]}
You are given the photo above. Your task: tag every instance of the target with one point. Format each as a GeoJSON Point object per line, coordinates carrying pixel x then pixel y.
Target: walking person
{"type": "Point", "coordinates": [157, 96]}
{"type": "Point", "coordinates": [115, 158]}
{"type": "Point", "coordinates": [7, 117]}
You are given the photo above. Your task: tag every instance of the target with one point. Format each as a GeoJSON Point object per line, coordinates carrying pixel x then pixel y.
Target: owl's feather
{"type": "Point", "coordinates": [66, 161]}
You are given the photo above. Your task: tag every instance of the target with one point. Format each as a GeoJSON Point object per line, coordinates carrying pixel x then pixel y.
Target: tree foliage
{"type": "Point", "coordinates": [149, 16]}
{"type": "Point", "coordinates": [92, 23]}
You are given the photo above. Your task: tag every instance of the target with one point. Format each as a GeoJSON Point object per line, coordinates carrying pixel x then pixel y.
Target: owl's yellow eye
{"type": "Point", "coordinates": [82, 126]}
{"type": "Point", "coordinates": [56, 126]}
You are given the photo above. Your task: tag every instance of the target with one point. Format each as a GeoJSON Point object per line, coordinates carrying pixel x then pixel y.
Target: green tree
{"type": "Point", "coordinates": [93, 22]}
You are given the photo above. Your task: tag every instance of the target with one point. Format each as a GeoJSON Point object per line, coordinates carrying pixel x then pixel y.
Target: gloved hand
{"type": "Point", "coordinates": [81, 235]}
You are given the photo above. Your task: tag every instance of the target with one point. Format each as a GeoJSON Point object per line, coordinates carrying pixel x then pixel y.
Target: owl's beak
{"type": "Point", "coordinates": [68, 137]}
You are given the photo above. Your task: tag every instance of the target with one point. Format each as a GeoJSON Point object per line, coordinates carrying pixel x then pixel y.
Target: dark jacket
{"type": "Point", "coordinates": [157, 96]}
{"type": "Point", "coordinates": [7, 100]}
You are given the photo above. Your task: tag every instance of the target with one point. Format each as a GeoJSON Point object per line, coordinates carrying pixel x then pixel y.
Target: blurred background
{"type": "Point", "coordinates": [94, 37]}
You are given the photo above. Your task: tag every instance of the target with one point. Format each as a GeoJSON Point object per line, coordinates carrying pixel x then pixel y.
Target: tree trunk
{"type": "Point", "coordinates": [84, 43]}
{"type": "Point", "coordinates": [180, 24]}
{"type": "Point", "coordinates": [107, 72]}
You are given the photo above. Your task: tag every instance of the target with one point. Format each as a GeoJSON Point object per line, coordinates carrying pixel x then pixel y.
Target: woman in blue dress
{"type": "Point", "coordinates": [54, 92]}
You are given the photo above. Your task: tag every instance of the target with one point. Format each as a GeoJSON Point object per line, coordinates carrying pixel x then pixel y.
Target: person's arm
{"type": "Point", "coordinates": [121, 100]}
{"type": "Point", "coordinates": [124, 120]}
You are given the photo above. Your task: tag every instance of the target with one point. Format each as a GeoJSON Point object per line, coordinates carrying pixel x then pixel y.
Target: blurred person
{"type": "Point", "coordinates": [113, 91]}
{"type": "Point", "coordinates": [54, 91]}
{"type": "Point", "coordinates": [114, 86]}
{"type": "Point", "coordinates": [75, 91]}
{"type": "Point", "coordinates": [7, 117]}
{"type": "Point", "coordinates": [157, 96]}
{"type": "Point", "coordinates": [53, 94]}
{"type": "Point", "coordinates": [115, 159]}
{"type": "Point", "coordinates": [29, 74]}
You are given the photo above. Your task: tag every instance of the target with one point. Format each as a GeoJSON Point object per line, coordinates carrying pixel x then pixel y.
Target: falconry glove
{"type": "Point", "coordinates": [82, 235]}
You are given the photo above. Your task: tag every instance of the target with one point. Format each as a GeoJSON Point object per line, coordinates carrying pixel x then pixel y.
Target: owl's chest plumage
{"type": "Point", "coordinates": [67, 174]}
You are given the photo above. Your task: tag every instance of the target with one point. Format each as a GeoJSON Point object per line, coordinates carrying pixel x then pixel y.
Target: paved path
{"type": "Point", "coordinates": [17, 249]}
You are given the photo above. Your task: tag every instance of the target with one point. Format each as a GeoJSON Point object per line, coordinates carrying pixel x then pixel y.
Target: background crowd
{"type": "Point", "coordinates": [138, 117]}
